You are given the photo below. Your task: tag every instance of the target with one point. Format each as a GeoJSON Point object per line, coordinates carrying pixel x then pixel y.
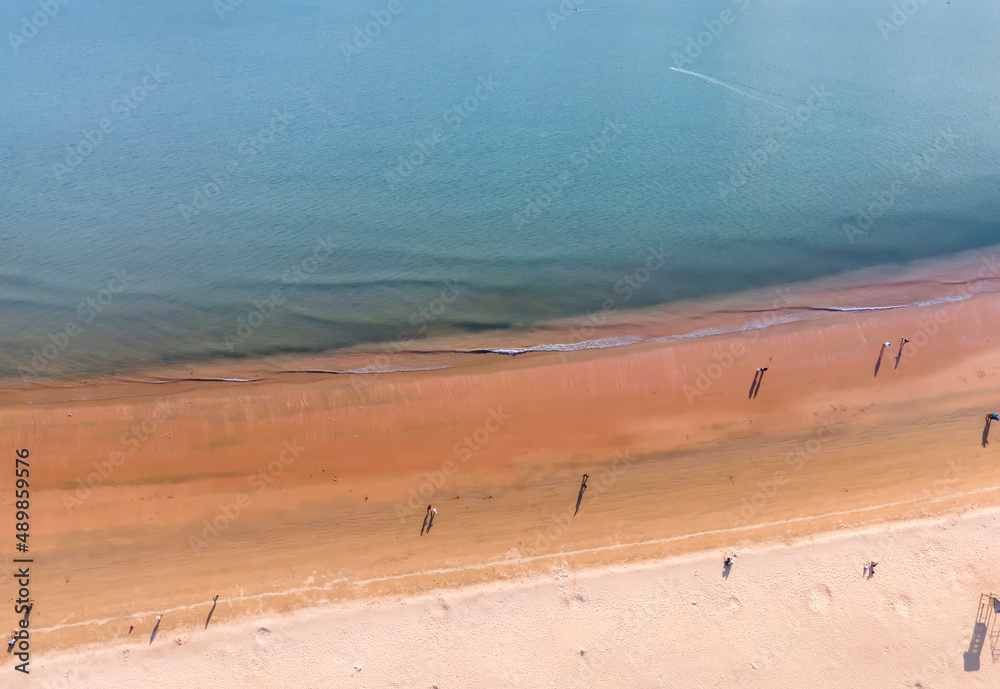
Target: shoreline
{"type": "Point", "coordinates": [926, 282]}
{"type": "Point", "coordinates": [149, 496]}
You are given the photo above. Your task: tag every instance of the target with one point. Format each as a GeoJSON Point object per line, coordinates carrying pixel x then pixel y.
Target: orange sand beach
{"type": "Point", "coordinates": [300, 490]}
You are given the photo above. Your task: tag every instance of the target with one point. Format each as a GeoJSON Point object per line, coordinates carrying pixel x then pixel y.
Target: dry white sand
{"type": "Point", "coordinates": [789, 615]}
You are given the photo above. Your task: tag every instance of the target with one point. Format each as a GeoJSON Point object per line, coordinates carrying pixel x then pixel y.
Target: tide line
{"type": "Point", "coordinates": [534, 558]}
{"type": "Point", "coordinates": [657, 541]}
{"type": "Point", "coordinates": [267, 594]}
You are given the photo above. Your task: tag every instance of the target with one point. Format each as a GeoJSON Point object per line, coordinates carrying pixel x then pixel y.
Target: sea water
{"type": "Point", "coordinates": [195, 180]}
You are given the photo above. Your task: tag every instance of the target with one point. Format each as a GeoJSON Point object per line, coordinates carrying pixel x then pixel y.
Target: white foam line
{"type": "Point", "coordinates": [267, 594]}
{"type": "Point", "coordinates": [657, 541]}
{"type": "Point", "coordinates": [932, 302]}
{"type": "Point", "coordinates": [624, 341]}
{"type": "Point", "coordinates": [731, 88]}
{"type": "Point", "coordinates": [375, 369]}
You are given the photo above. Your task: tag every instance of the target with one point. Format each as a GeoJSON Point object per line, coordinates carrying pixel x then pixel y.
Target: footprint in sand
{"type": "Point", "coordinates": [734, 603]}
{"type": "Point", "coordinates": [261, 636]}
{"type": "Point", "coordinates": [440, 608]}
{"type": "Point", "coordinates": [819, 598]}
{"type": "Point", "coordinates": [902, 606]}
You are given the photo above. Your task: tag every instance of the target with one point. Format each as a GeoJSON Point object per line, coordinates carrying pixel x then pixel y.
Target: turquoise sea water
{"type": "Point", "coordinates": [526, 154]}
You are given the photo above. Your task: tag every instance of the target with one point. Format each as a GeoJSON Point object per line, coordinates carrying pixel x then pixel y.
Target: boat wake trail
{"type": "Point", "coordinates": [731, 88]}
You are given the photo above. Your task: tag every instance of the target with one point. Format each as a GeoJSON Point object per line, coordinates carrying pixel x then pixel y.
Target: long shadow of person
{"type": "Point", "coordinates": [424, 527]}
{"type": "Point", "coordinates": [727, 567]}
{"type": "Point", "coordinates": [579, 498]}
{"type": "Point", "coordinates": [760, 381]}
{"type": "Point", "coordinates": [753, 385]}
{"type": "Point", "coordinates": [986, 430]}
{"type": "Point", "coordinates": [215, 601]}
{"type": "Point", "coordinates": [899, 354]}
{"type": "Point", "coordinates": [430, 522]}
{"type": "Point", "coordinates": [881, 353]}
{"type": "Point", "coordinates": [155, 629]}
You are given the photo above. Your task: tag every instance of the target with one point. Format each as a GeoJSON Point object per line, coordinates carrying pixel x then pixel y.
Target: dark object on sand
{"type": "Point", "coordinates": [579, 497]}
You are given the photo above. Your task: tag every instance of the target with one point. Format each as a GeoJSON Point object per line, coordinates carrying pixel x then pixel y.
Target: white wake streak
{"type": "Point", "coordinates": [727, 86]}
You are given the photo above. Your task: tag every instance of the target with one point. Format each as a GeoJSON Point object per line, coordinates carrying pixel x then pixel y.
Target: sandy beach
{"type": "Point", "coordinates": [786, 615]}
{"type": "Point", "coordinates": [300, 498]}
{"type": "Point", "coordinates": [421, 345]}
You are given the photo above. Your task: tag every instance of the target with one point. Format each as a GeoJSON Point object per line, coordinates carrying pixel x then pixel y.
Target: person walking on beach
{"type": "Point", "coordinates": [871, 569]}
{"type": "Point", "coordinates": [427, 515]}
{"type": "Point", "coordinates": [990, 418]}
{"type": "Point", "coordinates": [881, 353]}
{"type": "Point", "coordinates": [579, 496]}
{"type": "Point", "coordinates": [899, 354]}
